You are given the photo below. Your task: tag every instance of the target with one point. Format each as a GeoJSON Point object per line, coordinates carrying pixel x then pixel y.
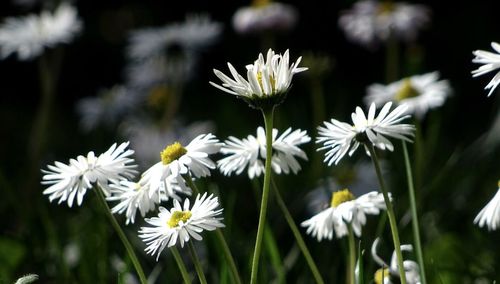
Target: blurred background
{"type": "Point", "coordinates": [107, 88]}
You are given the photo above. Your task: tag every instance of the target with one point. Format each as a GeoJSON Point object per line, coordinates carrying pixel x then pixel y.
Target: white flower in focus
{"type": "Point", "coordinates": [181, 223]}
{"type": "Point", "coordinates": [491, 62]}
{"type": "Point", "coordinates": [265, 17]}
{"type": "Point", "coordinates": [68, 181]}
{"type": "Point", "coordinates": [371, 22]}
{"type": "Point", "coordinates": [340, 138]}
{"type": "Point", "coordinates": [390, 274]}
{"type": "Point", "coordinates": [490, 214]}
{"type": "Point", "coordinates": [419, 93]}
{"type": "Point", "coordinates": [344, 210]}
{"type": "Point", "coordinates": [268, 80]}
{"type": "Point", "coordinates": [28, 36]}
{"type": "Point", "coordinates": [251, 152]}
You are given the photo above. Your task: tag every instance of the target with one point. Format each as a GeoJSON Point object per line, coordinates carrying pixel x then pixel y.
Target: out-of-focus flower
{"type": "Point", "coordinates": [490, 214]}
{"type": "Point", "coordinates": [251, 152]}
{"type": "Point", "coordinates": [268, 80]}
{"type": "Point", "coordinates": [71, 254]}
{"type": "Point", "coordinates": [28, 36]}
{"type": "Point", "coordinates": [491, 62]}
{"type": "Point", "coordinates": [370, 22]}
{"type": "Point", "coordinates": [340, 138]}
{"type": "Point", "coordinates": [345, 210]}
{"type": "Point", "coordinates": [181, 223]}
{"type": "Point", "coordinates": [390, 274]}
{"type": "Point", "coordinates": [265, 16]}
{"type": "Point", "coordinates": [26, 279]}
{"type": "Point", "coordinates": [419, 93]}
{"type": "Point", "coordinates": [68, 181]}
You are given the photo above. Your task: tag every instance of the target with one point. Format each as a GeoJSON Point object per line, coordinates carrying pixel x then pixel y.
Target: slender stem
{"type": "Point", "coordinates": [122, 236]}
{"type": "Point", "coordinates": [197, 264]}
{"type": "Point", "coordinates": [268, 120]}
{"type": "Point", "coordinates": [297, 235]}
{"type": "Point", "coordinates": [390, 214]}
{"type": "Point", "coordinates": [220, 238]}
{"type": "Point", "coordinates": [352, 255]}
{"type": "Point", "coordinates": [180, 264]}
{"type": "Point", "coordinates": [391, 60]}
{"type": "Point", "coordinates": [414, 215]}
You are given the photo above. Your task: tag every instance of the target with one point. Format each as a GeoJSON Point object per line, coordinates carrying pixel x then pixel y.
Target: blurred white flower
{"type": "Point", "coordinates": [390, 274]}
{"type": "Point", "coordinates": [181, 223]}
{"type": "Point", "coordinates": [490, 214]}
{"type": "Point", "coordinates": [28, 36]}
{"type": "Point", "coordinates": [265, 16]}
{"type": "Point", "coordinates": [67, 181]}
{"type": "Point", "coordinates": [340, 138]}
{"type": "Point", "coordinates": [344, 210]}
{"type": "Point", "coordinates": [72, 254]}
{"type": "Point", "coordinates": [370, 22]}
{"type": "Point", "coordinates": [26, 279]}
{"type": "Point", "coordinates": [491, 62]}
{"type": "Point", "coordinates": [419, 93]}
{"type": "Point", "coordinates": [251, 152]}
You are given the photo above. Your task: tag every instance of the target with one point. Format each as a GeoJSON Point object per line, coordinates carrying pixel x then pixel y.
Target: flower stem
{"type": "Point", "coordinates": [352, 255]}
{"type": "Point", "coordinates": [122, 236]}
{"type": "Point", "coordinates": [390, 213]}
{"type": "Point", "coordinates": [197, 264]}
{"type": "Point", "coordinates": [297, 235]}
{"type": "Point", "coordinates": [220, 237]}
{"type": "Point", "coordinates": [268, 120]}
{"type": "Point", "coordinates": [180, 264]}
{"type": "Point", "coordinates": [413, 206]}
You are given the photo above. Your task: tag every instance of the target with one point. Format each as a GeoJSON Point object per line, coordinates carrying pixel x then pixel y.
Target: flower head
{"type": "Point", "coordinates": [28, 36]}
{"type": "Point", "coordinates": [267, 83]}
{"type": "Point", "coordinates": [491, 62]}
{"type": "Point", "coordinates": [181, 223]}
{"type": "Point", "coordinates": [251, 152]}
{"type": "Point", "coordinates": [68, 181]}
{"type": "Point", "coordinates": [341, 138]}
{"type": "Point", "coordinates": [344, 209]}
{"type": "Point", "coordinates": [419, 93]}
{"type": "Point", "coordinates": [490, 214]}
{"type": "Point", "coordinates": [264, 16]}
{"type": "Point", "coordinates": [388, 274]}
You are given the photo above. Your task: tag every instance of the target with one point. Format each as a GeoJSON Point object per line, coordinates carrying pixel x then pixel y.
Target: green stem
{"type": "Point", "coordinates": [122, 236]}
{"type": "Point", "coordinates": [220, 238]}
{"type": "Point", "coordinates": [352, 255]}
{"type": "Point", "coordinates": [180, 264]}
{"type": "Point", "coordinates": [413, 206]}
{"type": "Point", "coordinates": [268, 120]}
{"type": "Point", "coordinates": [197, 264]}
{"type": "Point", "coordinates": [390, 214]}
{"type": "Point", "coordinates": [391, 60]}
{"type": "Point", "coordinates": [297, 235]}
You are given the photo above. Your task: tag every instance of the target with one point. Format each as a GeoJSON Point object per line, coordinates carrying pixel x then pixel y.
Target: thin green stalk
{"type": "Point", "coordinates": [180, 264]}
{"type": "Point", "coordinates": [297, 235]}
{"type": "Point", "coordinates": [268, 120]}
{"type": "Point", "coordinates": [391, 60]}
{"type": "Point", "coordinates": [122, 236]}
{"type": "Point", "coordinates": [220, 238]}
{"type": "Point", "coordinates": [414, 215]}
{"type": "Point", "coordinates": [390, 214]}
{"type": "Point", "coordinates": [197, 264]}
{"type": "Point", "coordinates": [352, 255]}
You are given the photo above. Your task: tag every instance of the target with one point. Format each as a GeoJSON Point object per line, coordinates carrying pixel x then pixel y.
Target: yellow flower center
{"type": "Point", "coordinates": [159, 96]}
{"type": "Point", "coordinates": [178, 216]}
{"type": "Point", "coordinates": [273, 81]}
{"type": "Point", "coordinates": [380, 274]}
{"type": "Point", "coordinates": [406, 91]}
{"type": "Point", "coordinates": [260, 3]}
{"type": "Point", "coordinates": [385, 7]}
{"type": "Point", "coordinates": [172, 152]}
{"type": "Point", "coordinates": [340, 197]}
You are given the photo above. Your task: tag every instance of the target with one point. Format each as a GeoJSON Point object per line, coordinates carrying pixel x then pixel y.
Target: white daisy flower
{"type": "Point", "coordinates": [267, 80]}
{"type": "Point", "coordinates": [491, 62]}
{"type": "Point", "coordinates": [68, 181]}
{"type": "Point", "coordinates": [181, 223]}
{"type": "Point", "coordinates": [370, 22]}
{"type": "Point", "coordinates": [419, 93]}
{"type": "Point", "coordinates": [344, 209]}
{"type": "Point", "coordinates": [28, 36]}
{"type": "Point", "coordinates": [264, 16]}
{"type": "Point", "coordinates": [341, 138]}
{"type": "Point", "coordinates": [490, 214]}
{"type": "Point", "coordinates": [390, 274]}
{"type": "Point", "coordinates": [251, 152]}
